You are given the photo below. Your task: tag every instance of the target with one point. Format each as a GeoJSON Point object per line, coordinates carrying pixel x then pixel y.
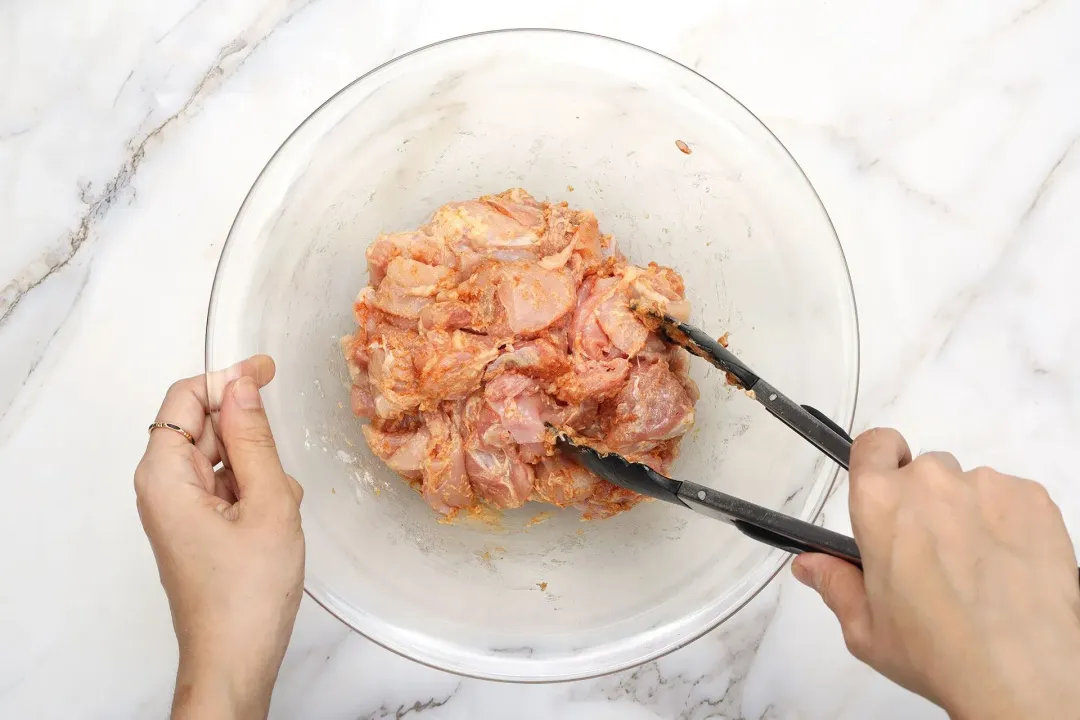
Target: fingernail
{"type": "Point", "coordinates": [801, 573]}
{"type": "Point", "coordinates": [246, 393]}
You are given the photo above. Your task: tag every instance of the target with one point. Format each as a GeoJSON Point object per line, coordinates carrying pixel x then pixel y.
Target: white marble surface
{"type": "Point", "coordinates": [942, 135]}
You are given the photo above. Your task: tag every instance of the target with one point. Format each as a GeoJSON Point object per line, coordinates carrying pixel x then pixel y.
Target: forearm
{"type": "Point", "coordinates": [1039, 686]}
{"type": "Point", "coordinates": [206, 692]}
{"type": "Point", "coordinates": [1055, 706]}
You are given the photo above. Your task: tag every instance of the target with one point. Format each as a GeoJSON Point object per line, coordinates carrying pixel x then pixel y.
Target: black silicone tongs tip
{"type": "Point", "coordinates": [617, 470]}
{"type": "Point", "coordinates": [696, 342]}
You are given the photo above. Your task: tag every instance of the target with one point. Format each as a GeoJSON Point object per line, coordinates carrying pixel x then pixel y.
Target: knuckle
{"type": "Point", "coordinates": [280, 500]}
{"type": "Point", "coordinates": [282, 514]}
{"type": "Point", "coordinates": [861, 439]}
{"type": "Point", "coordinates": [856, 641]}
{"type": "Point", "coordinates": [934, 477]}
{"type": "Point", "coordinates": [994, 485]}
{"type": "Point", "coordinates": [877, 437]}
{"type": "Point", "coordinates": [296, 487]}
{"type": "Point", "coordinates": [142, 478]}
{"type": "Point", "coordinates": [145, 507]}
{"type": "Point", "coordinates": [928, 463]}
{"type": "Point", "coordinates": [924, 469]}
{"type": "Point", "coordinates": [177, 389]}
{"type": "Point", "coordinates": [865, 440]}
{"type": "Point", "coordinates": [1037, 494]}
{"type": "Point", "coordinates": [871, 434]}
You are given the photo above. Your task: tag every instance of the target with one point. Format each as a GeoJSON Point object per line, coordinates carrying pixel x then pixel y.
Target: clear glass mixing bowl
{"type": "Point", "coordinates": [593, 121]}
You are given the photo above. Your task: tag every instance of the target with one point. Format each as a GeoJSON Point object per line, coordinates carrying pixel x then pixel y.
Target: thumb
{"type": "Point", "coordinates": [840, 585]}
{"type": "Point", "coordinates": [249, 444]}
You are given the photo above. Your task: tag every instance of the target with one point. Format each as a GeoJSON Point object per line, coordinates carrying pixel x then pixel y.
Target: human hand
{"type": "Point", "coordinates": [969, 593]}
{"type": "Point", "coordinates": [228, 544]}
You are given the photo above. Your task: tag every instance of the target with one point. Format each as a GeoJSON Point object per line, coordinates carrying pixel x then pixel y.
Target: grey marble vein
{"type": "Point", "coordinates": [417, 708]}
{"type": "Point", "coordinates": [119, 187]}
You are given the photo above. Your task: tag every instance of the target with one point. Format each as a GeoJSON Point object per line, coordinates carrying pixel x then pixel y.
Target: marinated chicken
{"type": "Point", "coordinates": [497, 318]}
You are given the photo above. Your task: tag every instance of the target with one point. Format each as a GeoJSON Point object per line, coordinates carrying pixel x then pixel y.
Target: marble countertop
{"type": "Point", "coordinates": [942, 135]}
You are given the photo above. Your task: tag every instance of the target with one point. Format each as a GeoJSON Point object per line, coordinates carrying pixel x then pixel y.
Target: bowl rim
{"type": "Point", "coordinates": [776, 558]}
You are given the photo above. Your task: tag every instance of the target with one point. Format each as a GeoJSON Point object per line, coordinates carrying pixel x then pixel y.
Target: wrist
{"type": "Point", "coordinates": [226, 669]}
{"type": "Point", "coordinates": [1022, 683]}
{"type": "Point", "coordinates": [212, 688]}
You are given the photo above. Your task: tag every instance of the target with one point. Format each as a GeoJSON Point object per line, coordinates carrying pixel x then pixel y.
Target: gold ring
{"type": "Point", "coordinates": [169, 426]}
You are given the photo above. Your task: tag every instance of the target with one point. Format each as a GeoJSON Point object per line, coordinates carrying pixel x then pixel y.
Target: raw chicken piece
{"type": "Point", "coordinates": [566, 484]}
{"type": "Point", "coordinates": [394, 382]}
{"type": "Point", "coordinates": [521, 406]}
{"type": "Point", "coordinates": [498, 474]}
{"type": "Point", "coordinates": [605, 326]}
{"type": "Point", "coordinates": [662, 288]}
{"type": "Point", "coordinates": [499, 317]}
{"type": "Point", "coordinates": [498, 477]}
{"type": "Point", "coordinates": [484, 424]}
{"type": "Point", "coordinates": [652, 406]}
{"type": "Point", "coordinates": [587, 240]}
{"type": "Point", "coordinates": [679, 362]}
{"type": "Point", "coordinates": [538, 358]}
{"type": "Point", "coordinates": [446, 485]}
{"type": "Point", "coordinates": [361, 401]}
{"type": "Point", "coordinates": [569, 231]}
{"type": "Point", "coordinates": [560, 237]}
{"type": "Point", "coordinates": [480, 227]}
{"type": "Point", "coordinates": [478, 293]}
{"type": "Point", "coordinates": [584, 418]}
{"type": "Point", "coordinates": [451, 365]}
{"type": "Point", "coordinates": [518, 205]}
{"type": "Point", "coordinates": [408, 286]}
{"type": "Point", "coordinates": [403, 452]}
{"type": "Point", "coordinates": [354, 349]}
{"type": "Point", "coordinates": [495, 473]}
{"type": "Point", "coordinates": [534, 298]}
{"type": "Point", "coordinates": [395, 300]}
{"type": "Point", "coordinates": [595, 379]}
{"type": "Point", "coordinates": [416, 278]}
{"type": "Point", "coordinates": [418, 246]}
{"type": "Point", "coordinates": [608, 500]}
{"type": "Point", "coordinates": [447, 315]}
{"type": "Point", "coordinates": [563, 483]}
{"type": "Point", "coordinates": [620, 324]}
{"type": "Point", "coordinates": [656, 349]}
{"type": "Point", "coordinates": [587, 337]}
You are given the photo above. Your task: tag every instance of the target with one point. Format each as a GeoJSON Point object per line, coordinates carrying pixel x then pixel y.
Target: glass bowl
{"type": "Point", "coordinates": [526, 596]}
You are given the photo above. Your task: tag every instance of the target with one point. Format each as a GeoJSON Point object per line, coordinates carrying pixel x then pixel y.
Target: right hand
{"type": "Point", "coordinates": [969, 594]}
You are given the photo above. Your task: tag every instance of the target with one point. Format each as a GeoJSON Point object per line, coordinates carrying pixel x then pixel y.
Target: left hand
{"type": "Point", "coordinates": [229, 546]}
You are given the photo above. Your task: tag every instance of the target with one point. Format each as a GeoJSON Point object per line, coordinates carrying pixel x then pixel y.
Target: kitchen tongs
{"type": "Point", "coordinates": [760, 523]}
{"type": "Point", "coordinates": [768, 526]}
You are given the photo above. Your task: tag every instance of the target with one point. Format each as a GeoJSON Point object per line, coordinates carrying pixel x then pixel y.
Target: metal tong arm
{"type": "Point", "coordinates": [759, 523]}
{"type": "Point", "coordinates": [768, 526]}
{"type": "Point", "coordinates": [809, 422]}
